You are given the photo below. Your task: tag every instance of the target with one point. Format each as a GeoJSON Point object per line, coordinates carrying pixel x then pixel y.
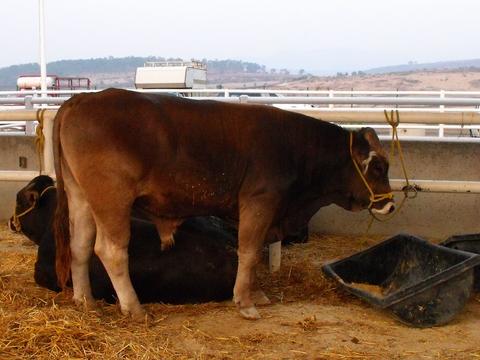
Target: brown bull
{"type": "Point", "coordinates": [173, 158]}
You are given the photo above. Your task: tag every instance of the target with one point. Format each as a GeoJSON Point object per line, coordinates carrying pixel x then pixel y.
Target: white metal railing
{"type": "Point", "coordinates": [355, 105]}
{"type": "Point", "coordinates": [430, 100]}
{"type": "Point", "coordinates": [294, 100]}
{"type": "Point", "coordinates": [332, 93]}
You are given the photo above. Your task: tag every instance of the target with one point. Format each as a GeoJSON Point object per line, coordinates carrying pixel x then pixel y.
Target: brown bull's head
{"type": "Point", "coordinates": [367, 177]}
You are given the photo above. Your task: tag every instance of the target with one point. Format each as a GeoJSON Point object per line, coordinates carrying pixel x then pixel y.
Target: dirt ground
{"type": "Point", "coordinates": [310, 318]}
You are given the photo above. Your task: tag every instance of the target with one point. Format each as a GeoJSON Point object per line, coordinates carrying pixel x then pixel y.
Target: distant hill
{"type": "Point", "coordinates": [111, 71]}
{"type": "Point", "coordinates": [432, 80]}
{"type": "Point", "coordinates": [413, 66]}
{"type": "Point", "coordinates": [120, 72]}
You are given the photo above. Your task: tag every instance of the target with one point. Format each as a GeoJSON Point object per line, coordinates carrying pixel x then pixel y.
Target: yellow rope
{"type": "Point", "coordinates": [395, 140]}
{"type": "Point", "coordinates": [40, 138]}
{"type": "Point", "coordinates": [394, 122]}
{"type": "Point", "coordinates": [16, 217]}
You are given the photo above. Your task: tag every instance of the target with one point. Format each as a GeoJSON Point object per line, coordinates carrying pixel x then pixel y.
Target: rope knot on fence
{"type": "Point", "coordinates": [40, 138]}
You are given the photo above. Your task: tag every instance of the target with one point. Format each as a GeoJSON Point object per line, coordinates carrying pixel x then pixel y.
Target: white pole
{"type": "Point", "coordinates": [43, 65]}
{"type": "Point", "coordinates": [439, 186]}
{"type": "Point", "coordinates": [275, 256]}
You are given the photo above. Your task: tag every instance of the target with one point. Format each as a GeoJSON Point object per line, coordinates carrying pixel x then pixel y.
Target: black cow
{"type": "Point", "coordinates": [200, 267]}
{"type": "Point", "coordinates": [208, 245]}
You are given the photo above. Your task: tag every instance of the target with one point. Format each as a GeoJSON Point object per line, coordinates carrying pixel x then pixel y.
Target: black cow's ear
{"type": "Point", "coordinates": [32, 196]}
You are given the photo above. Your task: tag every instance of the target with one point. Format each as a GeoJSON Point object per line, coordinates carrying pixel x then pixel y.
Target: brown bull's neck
{"type": "Point", "coordinates": [332, 160]}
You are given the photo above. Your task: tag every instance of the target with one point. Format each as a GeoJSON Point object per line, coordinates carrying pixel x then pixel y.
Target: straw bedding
{"type": "Point", "coordinates": [309, 318]}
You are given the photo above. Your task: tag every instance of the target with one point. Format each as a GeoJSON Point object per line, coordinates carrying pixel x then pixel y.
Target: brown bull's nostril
{"type": "Point", "coordinates": [392, 209]}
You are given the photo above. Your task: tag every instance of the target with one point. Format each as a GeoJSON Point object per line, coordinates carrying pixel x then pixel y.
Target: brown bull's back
{"type": "Point", "coordinates": [184, 157]}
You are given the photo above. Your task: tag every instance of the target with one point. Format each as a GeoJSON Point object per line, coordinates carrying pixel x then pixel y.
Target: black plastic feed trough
{"type": "Point", "coordinates": [421, 283]}
{"type": "Point", "coordinates": [470, 243]}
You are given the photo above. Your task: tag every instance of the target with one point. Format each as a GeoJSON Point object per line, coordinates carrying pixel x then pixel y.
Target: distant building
{"type": "Point", "coordinates": [54, 82]}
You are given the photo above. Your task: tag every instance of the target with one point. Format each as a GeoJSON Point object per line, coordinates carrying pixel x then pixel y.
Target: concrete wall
{"type": "Point", "coordinates": [429, 215]}
{"type": "Point", "coordinates": [11, 148]}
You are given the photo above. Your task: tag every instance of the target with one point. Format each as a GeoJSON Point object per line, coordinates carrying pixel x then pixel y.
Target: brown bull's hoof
{"type": "Point", "coordinates": [143, 318]}
{"type": "Point", "coordinates": [259, 298]}
{"type": "Point", "coordinates": [88, 305]}
{"type": "Point", "coordinates": [138, 315]}
{"type": "Point", "coordinates": [250, 313]}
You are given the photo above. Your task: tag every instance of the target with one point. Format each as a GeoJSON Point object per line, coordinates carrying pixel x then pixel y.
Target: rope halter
{"type": "Point", "coordinates": [374, 198]}
{"type": "Point", "coordinates": [16, 217]}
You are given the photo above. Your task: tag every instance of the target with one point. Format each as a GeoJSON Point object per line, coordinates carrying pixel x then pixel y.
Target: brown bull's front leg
{"type": "Point", "coordinates": [258, 296]}
{"type": "Point", "coordinates": [255, 220]}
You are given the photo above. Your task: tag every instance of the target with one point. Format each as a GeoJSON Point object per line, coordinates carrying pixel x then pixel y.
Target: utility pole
{"type": "Point", "coordinates": [43, 64]}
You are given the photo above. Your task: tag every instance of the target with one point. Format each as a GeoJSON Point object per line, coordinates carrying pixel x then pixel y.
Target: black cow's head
{"type": "Point", "coordinates": [367, 174]}
{"type": "Point", "coordinates": [34, 208]}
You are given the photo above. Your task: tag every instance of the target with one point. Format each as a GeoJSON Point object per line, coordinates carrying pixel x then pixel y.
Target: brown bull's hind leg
{"type": "Point", "coordinates": [82, 232]}
{"type": "Point", "coordinates": [255, 221]}
{"type": "Point", "coordinates": [111, 246]}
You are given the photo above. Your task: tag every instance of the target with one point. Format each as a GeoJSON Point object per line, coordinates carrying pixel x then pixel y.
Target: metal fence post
{"type": "Point", "coordinates": [29, 125]}
{"type": "Point", "coordinates": [28, 102]}
{"type": "Point", "coordinates": [441, 127]}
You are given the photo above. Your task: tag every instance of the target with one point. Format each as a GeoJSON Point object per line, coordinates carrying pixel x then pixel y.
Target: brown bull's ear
{"type": "Point", "coordinates": [370, 135]}
{"type": "Point", "coordinates": [372, 139]}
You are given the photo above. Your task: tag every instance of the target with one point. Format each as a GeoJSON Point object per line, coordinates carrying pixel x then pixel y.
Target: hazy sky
{"type": "Point", "coordinates": [314, 35]}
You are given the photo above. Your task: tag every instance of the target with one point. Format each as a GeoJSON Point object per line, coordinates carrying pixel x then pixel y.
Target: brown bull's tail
{"type": "Point", "coordinates": [61, 229]}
